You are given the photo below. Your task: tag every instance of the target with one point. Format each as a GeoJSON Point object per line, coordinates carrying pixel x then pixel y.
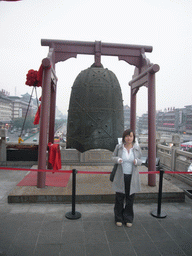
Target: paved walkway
{"type": "Point", "coordinates": [43, 229]}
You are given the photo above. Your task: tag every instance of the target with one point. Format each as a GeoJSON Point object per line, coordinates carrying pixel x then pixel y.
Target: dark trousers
{"type": "Point", "coordinates": [124, 213]}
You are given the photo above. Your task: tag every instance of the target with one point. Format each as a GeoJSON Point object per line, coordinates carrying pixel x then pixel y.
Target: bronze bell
{"type": "Point", "coordinates": [95, 115]}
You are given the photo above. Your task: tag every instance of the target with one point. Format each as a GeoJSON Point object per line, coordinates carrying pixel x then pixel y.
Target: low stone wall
{"type": "Point", "coordinates": [175, 160]}
{"type": "Point", "coordinates": [164, 153]}
{"type": "Point", "coordinates": [91, 157]}
{"type": "Point", "coordinates": [71, 157]}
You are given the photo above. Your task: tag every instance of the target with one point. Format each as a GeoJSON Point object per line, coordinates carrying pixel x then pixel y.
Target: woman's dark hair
{"type": "Point", "coordinates": [128, 132]}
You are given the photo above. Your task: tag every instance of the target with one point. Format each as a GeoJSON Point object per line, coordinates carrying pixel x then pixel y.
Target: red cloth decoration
{"type": "Point", "coordinates": [31, 78]}
{"type": "Point", "coordinates": [40, 75]}
{"type": "Point", "coordinates": [10, 0]}
{"type": "Point", "coordinates": [37, 116]}
{"type": "Point", "coordinates": [34, 78]}
{"type": "Point", "coordinates": [54, 156]}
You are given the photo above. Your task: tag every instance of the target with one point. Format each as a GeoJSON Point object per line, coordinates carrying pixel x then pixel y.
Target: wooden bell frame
{"type": "Point", "coordinates": [144, 75]}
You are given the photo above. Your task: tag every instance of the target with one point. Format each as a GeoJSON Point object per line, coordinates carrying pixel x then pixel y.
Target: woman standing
{"type": "Point", "coordinates": [126, 181]}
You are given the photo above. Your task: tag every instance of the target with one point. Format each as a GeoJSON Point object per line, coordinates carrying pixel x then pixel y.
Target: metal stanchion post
{"type": "Point", "coordinates": [73, 215]}
{"type": "Point", "coordinates": [158, 213]}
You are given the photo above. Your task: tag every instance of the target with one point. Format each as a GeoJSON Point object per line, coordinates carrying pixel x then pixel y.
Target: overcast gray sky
{"type": "Point", "coordinates": [166, 25]}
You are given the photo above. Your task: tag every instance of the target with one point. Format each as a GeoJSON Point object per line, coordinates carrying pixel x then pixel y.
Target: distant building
{"type": "Point", "coordinates": [33, 104]}
{"type": "Point", "coordinates": [126, 117]}
{"type": "Point", "coordinates": [171, 120]}
{"type": "Point", "coordinates": [188, 119]}
{"type": "Point", "coordinates": [142, 124]}
{"type": "Point", "coordinates": [167, 121]}
{"type": "Point", "coordinates": [20, 107]}
{"type": "Point", "coordinates": [5, 109]}
{"type": "Point", "coordinates": [12, 107]}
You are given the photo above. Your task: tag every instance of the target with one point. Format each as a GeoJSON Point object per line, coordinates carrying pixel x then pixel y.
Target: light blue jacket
{"type": "Point", "coordinates": [118, 182]}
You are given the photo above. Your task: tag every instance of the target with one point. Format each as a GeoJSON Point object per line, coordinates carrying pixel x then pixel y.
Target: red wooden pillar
{"type": "Point", "coordinates": [133, 110]}
{"type": "Point", "coordinates": [44, 121]}
{"type": "Point", "coordinates": [52, 114]}
{"type": "Point", "coordinates": [52, 119]}
{"type": "Point", "coordinates": [151, 128]}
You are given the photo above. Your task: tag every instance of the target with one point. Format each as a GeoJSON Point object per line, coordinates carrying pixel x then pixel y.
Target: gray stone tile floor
{"type": "Point", "coordinates": [43, 229]}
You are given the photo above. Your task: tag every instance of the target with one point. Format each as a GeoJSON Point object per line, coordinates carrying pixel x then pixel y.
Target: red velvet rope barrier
{"type": "Point", "coordinates": [83, 172]}
{"type": "Point", "coordinates": [34, 170]}
{"type": "Point", "coordinates": [89, 172]}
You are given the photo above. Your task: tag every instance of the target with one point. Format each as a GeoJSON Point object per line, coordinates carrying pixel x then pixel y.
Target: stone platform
{"type": "Point", "coordinates": [94, 188]}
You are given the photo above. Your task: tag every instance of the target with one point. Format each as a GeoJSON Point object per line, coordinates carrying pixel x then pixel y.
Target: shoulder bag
{"type": "Point", "coordinates": [112, 174]}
